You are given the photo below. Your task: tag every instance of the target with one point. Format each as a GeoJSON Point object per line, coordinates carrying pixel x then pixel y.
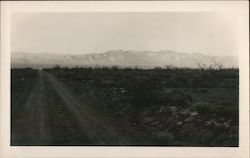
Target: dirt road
{"type": "Point", "coordinates": [53, 115]}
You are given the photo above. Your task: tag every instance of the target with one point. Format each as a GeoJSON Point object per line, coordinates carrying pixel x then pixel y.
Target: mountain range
{"type": "Point", "coordinates": [122, 58]}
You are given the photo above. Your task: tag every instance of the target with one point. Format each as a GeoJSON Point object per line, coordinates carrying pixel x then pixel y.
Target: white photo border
{"type": "Point", "coordinates": [237, 8]}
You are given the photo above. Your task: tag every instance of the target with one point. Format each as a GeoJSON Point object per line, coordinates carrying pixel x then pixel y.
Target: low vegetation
{"type": "Point", "coordinates": [178, 107]}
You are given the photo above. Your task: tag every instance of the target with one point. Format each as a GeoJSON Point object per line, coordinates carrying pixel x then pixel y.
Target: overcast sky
{"type": "Point", "coordinates": [76, 33]}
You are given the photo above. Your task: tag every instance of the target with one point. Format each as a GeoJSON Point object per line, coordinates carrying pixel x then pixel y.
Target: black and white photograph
{"type": "Point", "coordinates": [124, 79]}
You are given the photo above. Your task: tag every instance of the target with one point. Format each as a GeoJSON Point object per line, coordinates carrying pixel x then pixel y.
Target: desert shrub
{"type": "Point", "coordinates": [227, 112]}
{"type": "Point", "coordinates": [204, 108]}
{"type": "Point", "coordinates": [176, 98]}
{"type": "Point", "coordinates": [164, 137]}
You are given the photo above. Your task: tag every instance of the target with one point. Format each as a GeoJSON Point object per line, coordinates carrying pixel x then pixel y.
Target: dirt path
{"type": "Point", "coordinates": [33, 127]}
{"type": "Point", "coordinates": [53, 113]}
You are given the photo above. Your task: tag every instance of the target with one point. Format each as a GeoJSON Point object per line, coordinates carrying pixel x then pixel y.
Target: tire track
{"type": "Point", "coordinates": [95, 127]}
{"type": "Point", "coordinates": [52, 112]}
{"type": "Point", "coordinates": [33, 125]}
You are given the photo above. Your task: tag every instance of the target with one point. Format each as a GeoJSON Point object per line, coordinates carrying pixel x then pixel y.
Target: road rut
{"type": "Point", "coordinates": [52, 115]}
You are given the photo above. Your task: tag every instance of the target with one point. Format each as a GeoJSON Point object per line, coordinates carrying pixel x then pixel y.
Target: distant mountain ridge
{"type": "Point", "coordinates": [121, 58]}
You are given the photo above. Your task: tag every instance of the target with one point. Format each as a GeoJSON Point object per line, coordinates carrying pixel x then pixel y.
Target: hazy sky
{"type": "Point", "coordinates": [206, 33]}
